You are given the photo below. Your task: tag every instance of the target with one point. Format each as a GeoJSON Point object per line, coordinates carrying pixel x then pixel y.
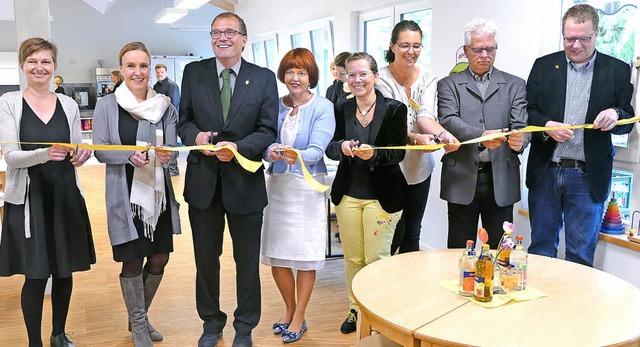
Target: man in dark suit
{"type": "Point", "coordinates": [569, 171]}
{"type": "Point", "coordinates": [169, 88]}
{"type": "Point", "coordinates": [216, 186]}
{"type": "Point", "coordinates": [481, 180]}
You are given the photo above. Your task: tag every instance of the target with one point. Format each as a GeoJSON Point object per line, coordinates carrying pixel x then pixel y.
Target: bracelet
{"type": "Point", "coordinates": [413, 138]}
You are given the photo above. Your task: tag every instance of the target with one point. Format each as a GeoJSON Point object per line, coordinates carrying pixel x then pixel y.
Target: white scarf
{"type": "Point", "coordinates": [148, 198]}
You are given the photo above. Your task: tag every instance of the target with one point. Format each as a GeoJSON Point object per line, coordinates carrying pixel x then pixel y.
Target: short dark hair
{"type": "Point", "coordinates": [36, 44]}
{"type": "Point", "coordinates": [341, 59]}
{"type": "Point", "coordinates": [405, 25]}
{"type": "Point", "coordinates": [161, 66]}
{"type": "Point", "coordinates": [133, 46]}
{"type": "Point", "coordinates": [582, 13]}
{"type": "Point", "coordinates": [243, 26]}
{"type": "Point", "coordinates": [299, 58]}
{"type": "Point", "coordinates": [366, 56]}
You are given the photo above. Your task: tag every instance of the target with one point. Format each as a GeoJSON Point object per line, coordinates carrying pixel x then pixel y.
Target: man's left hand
{"type": "Point", "coordinates": [225, 154]}
{"type": "Point", "coordinates": [606, 120]}
{"type": "Point", "coordinates": [516, 141]}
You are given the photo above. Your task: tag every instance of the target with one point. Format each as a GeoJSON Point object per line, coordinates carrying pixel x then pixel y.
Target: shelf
{"type": "Point", "coordinates": [620, 240]}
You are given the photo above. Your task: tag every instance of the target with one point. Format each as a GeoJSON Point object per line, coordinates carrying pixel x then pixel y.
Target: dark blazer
{"type": "Point", "coordinates": [546, 96]}
{"type": "Point", "coordinates": [388, 128]}
{"type": "Point", "coordinates": [464, 113]}
{"type": "Point", "coordinates": [251, 124]}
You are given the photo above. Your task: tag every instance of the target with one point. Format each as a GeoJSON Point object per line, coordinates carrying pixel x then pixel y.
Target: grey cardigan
{"type": "Point", "coordinates": [105, 131]}
{"type": "Point", "coordinates": [18, 161]}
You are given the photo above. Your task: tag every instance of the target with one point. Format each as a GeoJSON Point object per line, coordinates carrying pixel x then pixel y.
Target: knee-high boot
{"type": "Point", "coordinates": [133, 293]}
{"type": "Point", "coordinates": [151, 284]}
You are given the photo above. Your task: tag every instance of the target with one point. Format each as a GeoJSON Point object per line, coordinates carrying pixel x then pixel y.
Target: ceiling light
{"type": "Point", "coordinates": [170, 15]}
{"type": "Point", "coordinates": [189, 4]}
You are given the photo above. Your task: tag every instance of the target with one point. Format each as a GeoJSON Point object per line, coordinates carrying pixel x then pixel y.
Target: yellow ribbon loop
{"type": "Point", "coordinates": [317, 186]}
{"type": "Point", "coordinates": [249, 165]}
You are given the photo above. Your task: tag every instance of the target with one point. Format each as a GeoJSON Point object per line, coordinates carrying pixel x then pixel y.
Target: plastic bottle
{"type": "Point", "coordinates": [518, 261]}
{"type": "Point", "coordinates": [467, 266]}
{"type": "Point", "coordinates": [483, 291]}
{"type": "Point", "coordinates": [504, 247]}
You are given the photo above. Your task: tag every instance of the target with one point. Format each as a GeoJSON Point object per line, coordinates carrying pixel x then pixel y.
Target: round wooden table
{"type": "Point", "coordinates": [399, 297]}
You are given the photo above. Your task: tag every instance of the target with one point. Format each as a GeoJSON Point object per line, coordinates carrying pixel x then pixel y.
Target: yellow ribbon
{"type": "Point", "coordinates": [317, 186]}
{"type": "Point", "coordinates": [253, 166]}
{"type": "Point", "coordinates": [246, 164]}
{"type": "Point", "coordinates": [528, 129]}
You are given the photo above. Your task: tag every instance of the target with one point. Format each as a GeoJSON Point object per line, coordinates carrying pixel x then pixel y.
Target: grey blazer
{"type": "Point", "coordinates": [105, 131]}
{"type": "Point", "coordinates": [463, 112]}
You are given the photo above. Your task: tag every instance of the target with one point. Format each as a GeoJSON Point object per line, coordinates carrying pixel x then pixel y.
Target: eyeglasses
{"type": "Point", "coordinates": [229, 33]}
{"type": "Point", "coordinates": [300, 74]}
{"type": "Point", "coordinates": [489, 50]}
{"type": "Point", "coordinates": [363, 75]}
{"type": "Point", "coordinates": [405, 46]}
{"type": "Point", "coordinates": [582, 40]}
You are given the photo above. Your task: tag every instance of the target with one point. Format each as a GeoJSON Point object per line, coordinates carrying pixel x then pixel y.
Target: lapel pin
{"type": "Point", "coordinates": [246, 82]}
{"type": "Point", "coordinates": [557, 66]}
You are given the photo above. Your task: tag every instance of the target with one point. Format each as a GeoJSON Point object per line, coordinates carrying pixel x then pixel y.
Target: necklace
{"type": "Point", "coordinates": [365, 121]}
{"type": "Point", "coordinates": [302, 103]}
{"type": "Point", "coordinates": [393, 71]}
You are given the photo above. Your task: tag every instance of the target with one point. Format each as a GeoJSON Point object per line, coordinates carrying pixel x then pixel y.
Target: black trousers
{"type": "Point", "coordinates": [463, 219]}
{"type": "Point", "coordinates": [207, 227]}
{"type": "Point", "coordinates": [407, 234]}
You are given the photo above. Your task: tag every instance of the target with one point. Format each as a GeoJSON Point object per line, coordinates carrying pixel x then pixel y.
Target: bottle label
{"type": "Point", "coordinates": [468, 279]}
{"type": "Point", "coordinates": [479, 286]}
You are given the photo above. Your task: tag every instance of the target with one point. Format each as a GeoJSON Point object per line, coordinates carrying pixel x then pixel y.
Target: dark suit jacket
{"type": "Point", "coordinates": [546, 96]}
{"type": "Point", "coordinates": [463, 112]}
{"type": "Point", "coordinates": [388, 128]}
{"type": "Point", "coordinates": [251, 124]}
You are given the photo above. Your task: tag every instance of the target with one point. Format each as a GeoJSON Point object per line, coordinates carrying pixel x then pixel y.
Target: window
{"type": "Point", "coordinates": [265, 51]}
{"type": "Point", "coordinates": [317, 37]}
{"type": "Point", "coordinates": [376, 27]}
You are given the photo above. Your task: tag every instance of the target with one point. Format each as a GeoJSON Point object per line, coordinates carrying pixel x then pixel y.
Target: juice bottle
{"type": "Point", "coordinates": [483, 290]}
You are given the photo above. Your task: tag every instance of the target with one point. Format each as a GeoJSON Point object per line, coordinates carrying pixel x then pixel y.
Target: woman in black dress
{"type": "Point", "coordinates": [46, 230]}
{"type": "Point", "coordinates": [142, 212]}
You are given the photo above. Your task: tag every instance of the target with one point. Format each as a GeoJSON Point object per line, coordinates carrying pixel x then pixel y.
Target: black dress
{"type": "Point", "coordinates": [61, 240]}
{"type": "Point", "coordinates": [163, 235]}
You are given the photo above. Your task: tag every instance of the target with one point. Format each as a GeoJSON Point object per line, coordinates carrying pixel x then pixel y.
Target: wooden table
{"type": "Point", "coordinates": [584, 306]}
{"type": "Point", "coordinates": [398, 295]}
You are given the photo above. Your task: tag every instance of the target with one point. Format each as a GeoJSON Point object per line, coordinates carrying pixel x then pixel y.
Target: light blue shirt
{"type": "Point", "coordinates": [315, 131]}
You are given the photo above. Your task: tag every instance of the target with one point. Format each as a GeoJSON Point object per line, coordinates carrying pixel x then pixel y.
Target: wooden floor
{"type": "Point", "coordinates": [98, 316]}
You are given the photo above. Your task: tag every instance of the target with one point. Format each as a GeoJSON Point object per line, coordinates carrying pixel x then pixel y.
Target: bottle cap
{"type": "Point", "coordinates": [469, 243]}
{"type": "Point", "coordinates": [485, 247]}
{"type": "Point", "coordinates": [508, 233]}
{"type": "Point", "coordinates": [519, 238]}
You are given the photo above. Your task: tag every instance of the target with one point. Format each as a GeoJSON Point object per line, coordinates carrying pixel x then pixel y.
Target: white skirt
{"type": "Point", "coordinates": [294, 229]}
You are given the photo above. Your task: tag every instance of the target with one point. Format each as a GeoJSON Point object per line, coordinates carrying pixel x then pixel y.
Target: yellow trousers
{"type": "Point", "coordinates": [366, 232]}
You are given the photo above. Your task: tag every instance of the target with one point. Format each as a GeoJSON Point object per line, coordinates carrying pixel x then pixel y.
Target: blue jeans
{"type": "Point", "coordinates": [563, 193]}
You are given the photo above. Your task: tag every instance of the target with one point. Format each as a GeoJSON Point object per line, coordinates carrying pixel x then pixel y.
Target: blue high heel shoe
{"type": "Point", "coordinates": [279, 328]}
{"type": "Point", "coordinates": [290, 336]}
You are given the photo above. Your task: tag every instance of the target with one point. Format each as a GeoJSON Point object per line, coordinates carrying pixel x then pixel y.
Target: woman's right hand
{"type": "Point", "coordinates": [276, 152]}
{"type": "Point", "coordinates": [348, 146]}
{"type": "Point", "coordinates": [139, 158]}
{"type": "Point", "coordinates": [57, 152]}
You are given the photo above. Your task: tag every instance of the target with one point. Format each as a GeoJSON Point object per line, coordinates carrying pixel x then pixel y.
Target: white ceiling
{"type": "Point", "coordinates": [198, 20]}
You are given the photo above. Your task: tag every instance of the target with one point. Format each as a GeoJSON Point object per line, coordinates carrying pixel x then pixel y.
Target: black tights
{"type": "Point", "coordinates": [32, 299]}
{"type": "Point", "coordinates": [155, 265]}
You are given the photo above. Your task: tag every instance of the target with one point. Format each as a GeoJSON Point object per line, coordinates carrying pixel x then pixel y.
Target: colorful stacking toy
{"type": "Point", "coordinates": [612, 220]}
